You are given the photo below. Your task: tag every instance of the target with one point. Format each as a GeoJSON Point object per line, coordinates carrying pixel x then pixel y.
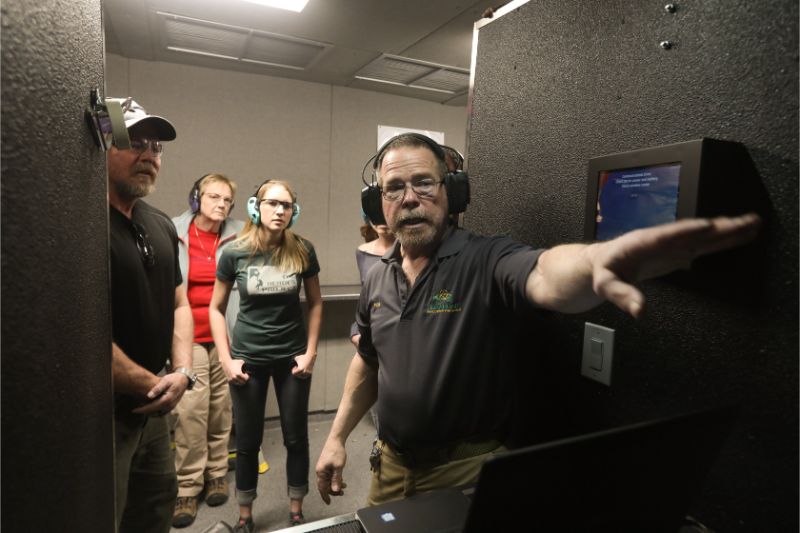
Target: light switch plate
{"type": "Point", "coordinates": [598, 353]}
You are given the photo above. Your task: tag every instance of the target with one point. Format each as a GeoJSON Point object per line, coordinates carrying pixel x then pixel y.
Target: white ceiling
{"type": "Point", "coordinates": [422, 48]}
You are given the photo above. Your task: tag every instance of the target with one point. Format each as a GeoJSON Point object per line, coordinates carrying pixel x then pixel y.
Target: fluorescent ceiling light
{"type": "Point", "coordinates": [290, 5]}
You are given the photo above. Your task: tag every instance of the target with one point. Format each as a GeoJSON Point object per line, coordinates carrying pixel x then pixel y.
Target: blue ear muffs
{"type": "Point", "coordinates": [254, 212]}
{"type": "Point", "coordinates": [295, 214]}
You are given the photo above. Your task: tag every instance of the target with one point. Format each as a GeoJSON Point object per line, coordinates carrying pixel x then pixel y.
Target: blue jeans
{"type": "Point", "coordinates": [249, 404]}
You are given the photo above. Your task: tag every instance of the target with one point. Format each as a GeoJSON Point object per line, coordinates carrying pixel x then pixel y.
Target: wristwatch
{"type": "Point", "coordinates": [189, 374]}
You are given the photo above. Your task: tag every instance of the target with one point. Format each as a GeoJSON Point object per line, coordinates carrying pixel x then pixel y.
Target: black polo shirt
{"type": "Point", "coordinates": [142, 296]}
{"type": "Point", "coordinates": [445, 369]}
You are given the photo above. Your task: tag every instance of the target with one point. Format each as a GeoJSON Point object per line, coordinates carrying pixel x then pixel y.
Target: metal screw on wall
{"type": "Point", "coordinates": [666, 45]}
{"type": "Point", "coordinates": [670, 8]}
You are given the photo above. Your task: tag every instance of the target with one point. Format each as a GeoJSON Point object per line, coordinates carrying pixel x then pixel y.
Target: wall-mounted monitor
{"type": "Point", "coordinates": [643, 188]}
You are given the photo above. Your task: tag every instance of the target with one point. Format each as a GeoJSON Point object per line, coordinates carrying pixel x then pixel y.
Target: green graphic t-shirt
{"type": "Point", "coordinates": [269, 324]}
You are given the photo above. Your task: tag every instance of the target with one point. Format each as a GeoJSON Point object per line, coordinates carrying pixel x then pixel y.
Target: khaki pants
{"type": "Point", "coordinates": [203, 425]}
{"type": "Point", "coordinates": [393, 481]}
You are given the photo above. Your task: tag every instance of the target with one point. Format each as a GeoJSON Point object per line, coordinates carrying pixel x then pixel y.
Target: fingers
{"type": "Point", "coordinates": [330, 483]}
{"type": "Point", "coordinates": [702, 236]}
{"type": "Point", "coordinates": [236, 373]}
{"type": "Point", "coordinates": [159, 407]}
{"type": "Point", "coordinates": [239, 379]}
{"type": "Point", "coordinates": [158, 389]}
{"type": "Point", "coordinates": [301, 373]}
{"type": "Point", "coordinates": [728, 233]}
{"type": "Point", "coordinates": [624, 295]}
{"type": "Point", "coordinates": [324, 485]}
{"type": "Point", "coordinates": [337, 484]}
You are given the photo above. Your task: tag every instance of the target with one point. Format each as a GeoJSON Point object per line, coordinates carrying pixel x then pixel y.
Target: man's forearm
{"type": "Point", "coordinates": [360, 392]}
{"type": "Point", "coordinates": [130, 378]}
{"type": "Point", "coordinates": [182, 337]}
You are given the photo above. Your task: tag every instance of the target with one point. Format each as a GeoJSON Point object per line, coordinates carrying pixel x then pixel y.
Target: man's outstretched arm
{"type": "Point", "coordinates": [574, 278]}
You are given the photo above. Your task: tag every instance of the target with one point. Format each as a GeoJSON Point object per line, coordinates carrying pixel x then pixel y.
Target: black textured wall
{"type": "Point", "coordinates": [557, 83]}
{"type": "Point", "coordinates": [57, 440]}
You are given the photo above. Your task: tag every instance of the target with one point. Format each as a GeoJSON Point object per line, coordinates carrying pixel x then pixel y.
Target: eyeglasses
{"type": "Point", "coordinates": [141, 146]}
{"type": "Point", "coordinates": [146, 250]}
{"type": "Point", "coordinates": [396, 190]}
{"type": "Point", "coordinates": [215, 198]}
{"type": "Point", "coordinates": [273, 204]}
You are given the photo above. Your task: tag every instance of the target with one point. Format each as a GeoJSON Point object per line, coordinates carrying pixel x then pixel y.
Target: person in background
{"type": "Point", "coordinates": [433, 318]}
{"type": "Point", "coordinates": [203, 416]}
{"type": "Point", "coordinates": [378, 240]}
{"type": "Point", "coordinates": [151, 324]}
{"type": "Point", "coordinates": [453, 159]}
{"type": "Point", "coordinates": [269, 263]}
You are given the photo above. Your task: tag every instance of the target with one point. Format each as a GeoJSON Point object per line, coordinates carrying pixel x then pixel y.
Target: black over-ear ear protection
{"type": "Point", "coordinates": [254, 212]}
{"type": "Point", "coordinates": [456, 183]}
{"type": "Point", "coordinates": [194, 195]}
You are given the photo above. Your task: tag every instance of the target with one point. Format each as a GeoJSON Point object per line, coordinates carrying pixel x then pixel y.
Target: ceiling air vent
{"type": "Point", "coordinates": [396, 70]}
{"type": "Point", "coordinates": [236, 43]}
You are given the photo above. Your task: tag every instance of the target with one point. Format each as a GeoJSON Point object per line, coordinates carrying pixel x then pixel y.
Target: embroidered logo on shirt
{"type": "Point", "coordinates": [269, 280]}
{"type": "Point", "coordinates": [442, 302]}
{"type": "Point", "coordinates": [376, 305]}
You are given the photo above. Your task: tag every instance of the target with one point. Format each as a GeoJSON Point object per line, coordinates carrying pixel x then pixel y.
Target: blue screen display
{"type": "Point", "coordinates": [636, 198]}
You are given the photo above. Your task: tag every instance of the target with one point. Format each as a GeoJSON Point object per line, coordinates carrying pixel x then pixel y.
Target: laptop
{"type": "Point", "coordinates": [635, 478]}
{"type": "Point", "coordinates": [641, 477]}
{"type": "Point", "coordinates": [439, 511]}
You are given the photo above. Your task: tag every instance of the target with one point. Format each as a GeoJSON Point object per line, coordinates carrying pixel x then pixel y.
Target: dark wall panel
{"type": "Point", "coordinates": [57, 447]}
{"type": "Point", "coordinates": [557, 83]}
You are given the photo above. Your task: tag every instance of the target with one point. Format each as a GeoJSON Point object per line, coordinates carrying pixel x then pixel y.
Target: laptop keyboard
{"type": "Point", "coordinates": [353, 526]}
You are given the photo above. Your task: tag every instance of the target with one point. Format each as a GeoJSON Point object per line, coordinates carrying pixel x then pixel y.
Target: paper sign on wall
{"type": "Point", "coordinates": [387, 132]}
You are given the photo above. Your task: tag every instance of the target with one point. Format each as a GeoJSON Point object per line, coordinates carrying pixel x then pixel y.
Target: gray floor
{"type": "Point", "coordinates": [271, 508]}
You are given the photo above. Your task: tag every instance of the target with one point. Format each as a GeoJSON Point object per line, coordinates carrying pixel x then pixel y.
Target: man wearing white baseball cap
{"type": "Point", "coordinates": [151, 327]}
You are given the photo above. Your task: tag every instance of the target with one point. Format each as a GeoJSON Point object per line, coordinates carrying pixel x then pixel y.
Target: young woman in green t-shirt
{"type": "Point", "coordinates": [269, 263]}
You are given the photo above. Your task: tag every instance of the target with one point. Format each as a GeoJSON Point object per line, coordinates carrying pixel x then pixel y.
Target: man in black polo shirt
{"type": "Point", "coordinates": [151, 325]}
{"type": "Point", "coordinates": [432, 314]}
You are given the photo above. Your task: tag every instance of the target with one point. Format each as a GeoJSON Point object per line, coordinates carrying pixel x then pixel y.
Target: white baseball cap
{"type": "Point", "coordinates": [134, 113]}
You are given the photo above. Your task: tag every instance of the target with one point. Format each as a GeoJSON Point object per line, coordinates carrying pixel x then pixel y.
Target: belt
{"type": "Point", "coordinates": [424, 457]}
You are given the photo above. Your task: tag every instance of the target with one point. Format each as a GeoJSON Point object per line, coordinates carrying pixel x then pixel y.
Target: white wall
{"type": "Point", "coordinates": [316, 136]}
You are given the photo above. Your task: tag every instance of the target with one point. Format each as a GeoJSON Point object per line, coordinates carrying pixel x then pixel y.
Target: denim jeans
{"type": "Point", "coordinates": [249, 404]}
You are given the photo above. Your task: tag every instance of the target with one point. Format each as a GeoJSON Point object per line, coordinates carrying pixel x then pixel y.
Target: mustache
{"type": "Point", "coordinates": [146, 167]}
{"type": "Point", "coordinates": [411, 216]}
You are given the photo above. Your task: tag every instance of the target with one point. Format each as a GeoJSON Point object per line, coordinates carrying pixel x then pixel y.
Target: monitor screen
{"type": "Point", "coordinates": [637, 197]}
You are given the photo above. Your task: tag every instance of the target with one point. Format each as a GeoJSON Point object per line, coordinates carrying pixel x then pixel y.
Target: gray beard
{"type": "Point", "coordinates": [130, 190]}
{"type": "Point", "coordinates": [416, 239]}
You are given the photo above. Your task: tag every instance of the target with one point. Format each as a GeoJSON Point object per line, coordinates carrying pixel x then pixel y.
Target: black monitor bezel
{"type": "Point", "coordinates": [687, 154]}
